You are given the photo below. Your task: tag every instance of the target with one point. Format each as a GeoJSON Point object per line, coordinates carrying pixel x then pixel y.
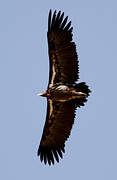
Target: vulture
{"type": "Point", "coordinates": [63, 93]}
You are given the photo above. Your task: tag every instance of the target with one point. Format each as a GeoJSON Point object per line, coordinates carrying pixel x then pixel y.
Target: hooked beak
{"type": "Point", "coordinates": [42, 94]}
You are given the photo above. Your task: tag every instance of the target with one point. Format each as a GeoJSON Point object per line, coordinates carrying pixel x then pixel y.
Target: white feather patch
{"type": "Point", "coordinates": [51, 108]}
{"type": "Point", "coordinates": [62, 87]}
{"type": "Point", "coordinates": [53, 73]}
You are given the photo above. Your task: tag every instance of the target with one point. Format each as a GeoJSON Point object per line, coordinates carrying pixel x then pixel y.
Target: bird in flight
{"type": "Point", "coordinates": [63, 94]}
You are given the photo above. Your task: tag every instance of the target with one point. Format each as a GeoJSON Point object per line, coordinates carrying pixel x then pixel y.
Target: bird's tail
{"type": "Point", "coordinates": [82, 88]}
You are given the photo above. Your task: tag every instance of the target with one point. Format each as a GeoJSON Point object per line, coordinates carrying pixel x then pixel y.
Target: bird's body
{"type": "Point", "coordinates": [63, 94]}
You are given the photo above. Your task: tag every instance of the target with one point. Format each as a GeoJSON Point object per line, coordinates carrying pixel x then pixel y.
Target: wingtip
{"type": "Point", "coordinates": [55, 11]}
{"type": "Point", "coordinates": [50, 11]}
{"type": "Point", "coordinates": [49, 156]}
{"type": "Point", "coordinates": [49, 20]}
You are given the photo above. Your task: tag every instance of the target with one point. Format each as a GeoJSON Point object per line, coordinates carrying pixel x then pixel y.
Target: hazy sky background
{"type": "Point", "coordinates": [91, 151]}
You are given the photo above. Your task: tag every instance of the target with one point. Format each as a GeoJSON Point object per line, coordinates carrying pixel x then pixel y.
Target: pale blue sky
{"type": "Point", "coordinates": [91, 151]}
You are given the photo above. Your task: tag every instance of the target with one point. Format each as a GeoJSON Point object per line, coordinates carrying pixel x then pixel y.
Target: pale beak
{"type": "Point", "coordinates": [42, 94]}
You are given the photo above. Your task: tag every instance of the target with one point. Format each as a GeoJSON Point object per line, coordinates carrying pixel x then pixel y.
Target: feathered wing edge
{"type": "Point", "coordinates": [56, 131]}
{"type": "Point", "coordinates": [50, 155]}
{"type": "Point", "coordinates": [62, 51]}
{"type": "Point", "coordinates": [57, 23]}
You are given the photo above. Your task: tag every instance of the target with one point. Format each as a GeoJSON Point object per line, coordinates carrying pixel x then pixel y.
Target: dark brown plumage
{"type": "Point", "coordinates": [63, 94]}
{"type": "Point", "coordinates": [56, 130]}
{"type": "Point", "coordinates": [62, 51]}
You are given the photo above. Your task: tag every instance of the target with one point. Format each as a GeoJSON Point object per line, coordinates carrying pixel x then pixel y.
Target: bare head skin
{"type": "Point", "coordinates": [44, 94]}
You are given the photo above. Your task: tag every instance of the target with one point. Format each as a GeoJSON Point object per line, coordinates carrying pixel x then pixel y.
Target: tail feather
{"type": "Point", "coordinates": [82, 87]}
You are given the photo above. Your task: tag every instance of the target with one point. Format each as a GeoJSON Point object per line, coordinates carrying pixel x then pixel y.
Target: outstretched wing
{"type": "Point", "coordinates": [59, 120]}
{"type": "Point", "coordinates": [62, 51]}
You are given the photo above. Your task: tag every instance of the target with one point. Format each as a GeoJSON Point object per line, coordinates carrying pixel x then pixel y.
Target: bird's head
{"type": "Point", "coordinates": [44, 94]}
